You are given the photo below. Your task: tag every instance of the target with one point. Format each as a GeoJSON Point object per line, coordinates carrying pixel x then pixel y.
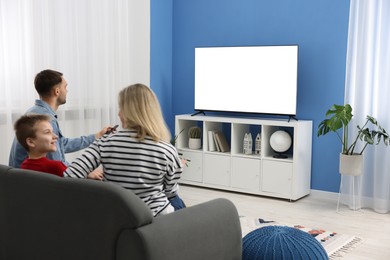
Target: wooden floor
{"type": "Point", "coordinates": [372, 227]}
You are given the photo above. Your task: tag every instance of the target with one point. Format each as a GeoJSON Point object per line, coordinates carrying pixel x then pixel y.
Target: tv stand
{"type": "Point", "coordinates": [259, 174]}
{"type": "Point", "coordinates": [199, 112]}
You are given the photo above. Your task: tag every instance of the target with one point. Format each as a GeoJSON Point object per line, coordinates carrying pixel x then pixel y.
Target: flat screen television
{"type": "Point", "coordinates": [250, 79]}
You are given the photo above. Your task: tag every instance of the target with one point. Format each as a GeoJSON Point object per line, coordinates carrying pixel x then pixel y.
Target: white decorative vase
{"type": "Point", "coordinates": [351, 164]}
{"type": "Point", "coordinates": [194, 143]}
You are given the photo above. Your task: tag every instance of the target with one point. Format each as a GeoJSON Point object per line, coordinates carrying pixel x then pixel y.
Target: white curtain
{"type": "Point", "coordinates": [368, 92]}
{"type": "Point", "coordinates": [101, 46]}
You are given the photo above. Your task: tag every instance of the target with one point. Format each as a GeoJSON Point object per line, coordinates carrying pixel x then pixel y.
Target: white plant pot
{"type": "Point", "coordinates": [351, 164]}
{"type": "Point", "coordinates": [194, 143]}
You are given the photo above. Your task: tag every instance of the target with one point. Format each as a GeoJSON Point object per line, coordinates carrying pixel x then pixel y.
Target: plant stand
{"type": "Point", "coordinates": [351, 166]}
{"type": "Point", "coordinates": [354, 189]}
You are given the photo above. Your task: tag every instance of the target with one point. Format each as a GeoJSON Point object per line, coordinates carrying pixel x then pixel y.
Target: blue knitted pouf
{"type": "Point", "coordinates": [280, 242]}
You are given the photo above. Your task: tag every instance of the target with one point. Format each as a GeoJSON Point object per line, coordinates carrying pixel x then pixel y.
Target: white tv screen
{"type": "Point", "coordinates": [251, 79]}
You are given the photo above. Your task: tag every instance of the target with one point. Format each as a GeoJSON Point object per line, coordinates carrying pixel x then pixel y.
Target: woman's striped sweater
{"type": "Point", "coordinates": [150, 169]}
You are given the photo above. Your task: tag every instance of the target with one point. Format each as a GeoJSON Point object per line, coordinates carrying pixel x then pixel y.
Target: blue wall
{"type": "Point", "coordinates": [320, 28]}
{"type": "Point", "coordinates": [161, 16]}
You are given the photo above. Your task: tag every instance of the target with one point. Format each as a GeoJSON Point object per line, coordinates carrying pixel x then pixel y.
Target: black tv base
{"type": "Point", "coordinates": [292, 117]}
{"type": "Point", "coordinates": [199, 112]}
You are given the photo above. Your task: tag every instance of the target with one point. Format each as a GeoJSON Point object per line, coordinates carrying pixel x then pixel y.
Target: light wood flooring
{"type": "Point", "coordinates": [313, 212]}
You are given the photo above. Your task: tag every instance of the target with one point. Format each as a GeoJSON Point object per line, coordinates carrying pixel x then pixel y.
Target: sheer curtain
{"type": "Point", "coordinates": [368, 92]}
{"type": "Point", "coordinates": [101, 46]}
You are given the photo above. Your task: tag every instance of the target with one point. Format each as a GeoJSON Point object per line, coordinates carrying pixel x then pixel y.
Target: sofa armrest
{"type": "Point", "coordinates": [209, 230]}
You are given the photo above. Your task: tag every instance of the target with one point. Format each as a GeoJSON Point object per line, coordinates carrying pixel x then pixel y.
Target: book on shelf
{"type": "Point", "coordinates": [222, 142]}
{"type": "Point", "coordinates": [218, 148]}
{"type": "Point", "coordinates": [212, 147]}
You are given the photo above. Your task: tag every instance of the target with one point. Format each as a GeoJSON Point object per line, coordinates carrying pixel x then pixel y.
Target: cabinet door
{"type": "Point", "coordinates": [246, 173]}
{"type": "Point", "coordinates": [276, 177]}
{"type": "Point", "coordinates": [217, 169]}
{"type": "Point", "coordinates": [193, 170]}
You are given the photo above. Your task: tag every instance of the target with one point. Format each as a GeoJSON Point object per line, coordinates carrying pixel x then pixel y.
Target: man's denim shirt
{"type": "Point", "coordinates": [64, 145]}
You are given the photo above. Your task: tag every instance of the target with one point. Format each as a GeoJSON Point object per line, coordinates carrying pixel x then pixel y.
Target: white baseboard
{"type": "Point", "coordinates": [319, 194]}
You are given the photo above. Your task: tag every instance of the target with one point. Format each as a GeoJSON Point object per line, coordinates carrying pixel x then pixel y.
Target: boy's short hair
{"type": "Point", "coordinates": [25, 127]}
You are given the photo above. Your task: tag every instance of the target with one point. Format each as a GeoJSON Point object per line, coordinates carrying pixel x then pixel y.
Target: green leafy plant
{"type": "Point", "coordinates": [173, 142]}
{"type": "Point", "coordinates": [174, 139]}
{"type": "Point", "coordinates": [194, 132]}
{"type": "Point", "coordinates": [339, 118]}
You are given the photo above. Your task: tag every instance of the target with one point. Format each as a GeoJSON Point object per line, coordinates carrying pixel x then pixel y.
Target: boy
{"type": "Point", "coordinates": [35, 133]}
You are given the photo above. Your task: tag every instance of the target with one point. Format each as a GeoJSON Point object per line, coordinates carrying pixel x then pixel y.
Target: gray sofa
{"type": "Point", "coordinates": [43, 216]}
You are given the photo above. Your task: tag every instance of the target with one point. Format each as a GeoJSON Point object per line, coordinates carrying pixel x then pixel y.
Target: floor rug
{"type": "Point", "coordinates": [336, 245]}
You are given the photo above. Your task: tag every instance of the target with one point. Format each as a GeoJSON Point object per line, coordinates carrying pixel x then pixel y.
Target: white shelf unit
{"type": "Point", "coordinates": [259, 174]}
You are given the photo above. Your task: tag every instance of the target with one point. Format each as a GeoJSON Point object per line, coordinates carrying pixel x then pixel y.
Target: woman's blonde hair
{"type": "Point", "coordinates": [140, 110]}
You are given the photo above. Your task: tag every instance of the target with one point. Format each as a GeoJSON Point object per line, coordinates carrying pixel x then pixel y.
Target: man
{"type": "Point", "coordinates": [52, 89]}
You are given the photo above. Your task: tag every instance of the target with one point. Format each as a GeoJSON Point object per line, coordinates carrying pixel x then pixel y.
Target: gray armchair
{"type": "Point", "coordinates": [43, 216]}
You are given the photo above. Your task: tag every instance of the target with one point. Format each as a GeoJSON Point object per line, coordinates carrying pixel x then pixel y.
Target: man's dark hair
{"type": "Point", "coordinates": [46, 80]}
{"type": "Point", "coordinates": [25, 127]}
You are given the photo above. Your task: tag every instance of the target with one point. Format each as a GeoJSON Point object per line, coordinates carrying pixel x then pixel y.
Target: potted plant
{"type": "Point", "coordinates": [174, 138]}
{"type": "Point", "coordinates": [351, 161]}
{"type": "Point", "coordinates": [194, 134]}
{"type": "Point", "coordinates": [173, 142]}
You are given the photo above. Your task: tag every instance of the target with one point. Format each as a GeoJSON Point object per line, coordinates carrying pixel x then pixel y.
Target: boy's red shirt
{"type": "Point", "coordinates": [44, 165]}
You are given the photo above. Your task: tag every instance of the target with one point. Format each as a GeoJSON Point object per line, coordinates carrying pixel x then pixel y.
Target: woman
{"type": "Point", "coordinates": [139, 157]}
